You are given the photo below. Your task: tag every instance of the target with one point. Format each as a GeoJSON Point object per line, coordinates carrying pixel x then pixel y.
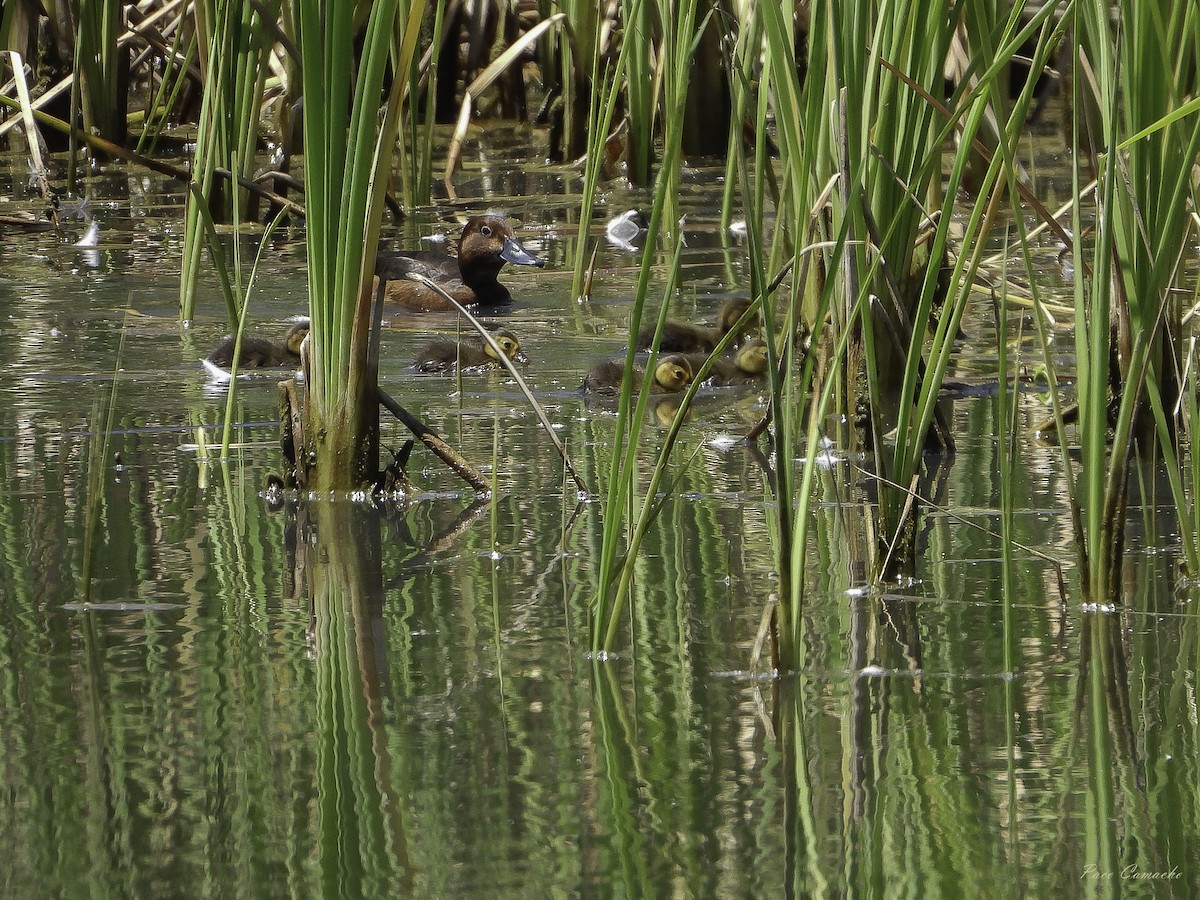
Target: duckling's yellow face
{"type": "Point", "coordinates": [752, 358]}
{"type": "Point", "coordinates": [673, 373]}
{"type": "Point", "coordinates": [506, 341]}
{"type": "Point", "coordinates": [295, 337]}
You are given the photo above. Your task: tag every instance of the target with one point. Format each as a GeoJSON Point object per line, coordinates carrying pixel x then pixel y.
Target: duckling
{"type": "Point", "coordinates": [485, 245]}
{"type": "Point", "coordinates": [672, 374]}
{"type": "Point", "coordinates": [682, 337]}
{"type": "Point", "coordinates": [751, 360]}
{"type": "Point", "coordinates": [747, 366]}
{"type": "Point", "coordinates": [444, 354]}
{"type": "Point", "coordinates": [257, 352]}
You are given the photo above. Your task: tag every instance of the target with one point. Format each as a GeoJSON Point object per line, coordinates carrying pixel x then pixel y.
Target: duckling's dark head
{"type": "Point", "coordinates": [487, 243]}
{"type": "Point", "coordinates": [731, 311]}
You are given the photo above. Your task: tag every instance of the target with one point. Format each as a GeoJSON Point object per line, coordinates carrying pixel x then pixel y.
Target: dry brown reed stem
{"type": "Point", "coordinates": [155, 165]}
{"type": "Point", "coordinates": [32, 136]}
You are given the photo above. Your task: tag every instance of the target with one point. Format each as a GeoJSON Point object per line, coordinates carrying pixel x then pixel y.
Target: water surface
{"type": "Point", "coordinates": [202, 696]}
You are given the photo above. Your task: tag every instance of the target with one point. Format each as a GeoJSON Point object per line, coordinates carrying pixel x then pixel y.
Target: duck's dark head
{"type": "Point", "coordinates": [488, 242]}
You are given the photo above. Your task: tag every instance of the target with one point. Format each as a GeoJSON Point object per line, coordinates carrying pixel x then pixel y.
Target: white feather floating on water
{"type": "Point", "coordinates": [91, 237]}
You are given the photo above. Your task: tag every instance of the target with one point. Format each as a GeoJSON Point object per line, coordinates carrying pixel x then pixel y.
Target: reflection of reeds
{"type": "Point", "coordinates": [363, 840]}
{"type": "Point", "coordinates": [97, 470]}
{"type": "Point", "coordinates": [843, 182]}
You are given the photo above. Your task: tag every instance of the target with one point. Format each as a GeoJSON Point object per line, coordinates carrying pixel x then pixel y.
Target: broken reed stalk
{"type": "Point", "coordinates": [436, 445]}
{"type": "Point", "coordinates": [291, 431]}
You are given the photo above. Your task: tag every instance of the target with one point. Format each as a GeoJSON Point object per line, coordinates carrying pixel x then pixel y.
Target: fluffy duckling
{"type": "Point", "coordinates": [672, 374]}
{"type": "Point", "coordinates": [747, 366]}
{"type": "Point", "coordinates": [471, 352]}
{"type": "Point", "coordinates": [257, 352]}
{"type": "Point", "coordinates": [683, 337]}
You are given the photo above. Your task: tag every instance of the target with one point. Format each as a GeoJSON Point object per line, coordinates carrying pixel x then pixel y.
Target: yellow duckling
{"type": "Point", "coordinates": [682, 337]}
{"type": "Point", "coordinates": [471, 352]}
{"type": "Point", "coordinates": [257, 352]}
{"type": "Point", "coordinates": [672, 374]}
{"type": "Point", "coordinates": [748, 365]}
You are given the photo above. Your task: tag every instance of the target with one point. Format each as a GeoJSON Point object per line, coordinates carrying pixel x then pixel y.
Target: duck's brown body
{"type": "Point", "coordinates": [446, 354]}
{"type": "Point", "coordinates": [485, 245]}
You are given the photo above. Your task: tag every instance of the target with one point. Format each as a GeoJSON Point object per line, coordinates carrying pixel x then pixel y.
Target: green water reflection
{"type": "Point", "coordinates": [337, 701]}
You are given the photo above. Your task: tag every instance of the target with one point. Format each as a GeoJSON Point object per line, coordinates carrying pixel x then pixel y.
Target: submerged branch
{"type": "Point", "coordinates": [436, 445]}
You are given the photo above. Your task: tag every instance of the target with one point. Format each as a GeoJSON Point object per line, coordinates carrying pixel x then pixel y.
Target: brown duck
{"type": "Point", "coordinates": [485, 245]}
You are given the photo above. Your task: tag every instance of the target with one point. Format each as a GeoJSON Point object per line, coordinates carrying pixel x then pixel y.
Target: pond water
{"type": "Point", "coordinates": [196, 699]}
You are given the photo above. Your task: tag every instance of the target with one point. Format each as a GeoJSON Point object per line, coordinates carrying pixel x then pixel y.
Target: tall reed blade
{"type": "Point", "coordinates": [347, 163]}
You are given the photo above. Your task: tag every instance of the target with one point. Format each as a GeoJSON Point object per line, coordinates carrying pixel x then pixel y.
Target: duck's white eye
{"type": "Point", "coordinates": [485, 230]}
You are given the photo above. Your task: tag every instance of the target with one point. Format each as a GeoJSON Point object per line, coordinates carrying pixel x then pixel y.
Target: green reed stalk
{"type": "Point", "coordinates": [742, 65]}
{"type": "Point", "coordinates": [1130, 85]}
{"type": "Point", "coordinates": [227, 429]}
{"type": "Point", "coordinates": [892, 158]}
{"type": "Point", "coordinates": [977, 108]}
{"type": "Point", "coordinates": [175, 78]}
{"type": "Point", "coordinates": [416, 166]}
{"type": "Point", "coordinates": [103, 68]}
{"type": "Point", "coordinates": [347, 158]}
{"type": "Point", "coordinates": [97, 466]}
{"type": "Point", "coordinates": [1007, 430]}
{"type": "Point", "coordinates": [606, 91]}
{"type": "Point", "coordinates": [891, 153]}
{"type": "Point", "coordinates": [234, 46]}
{"type": "Point", "coordinates": [643, 84]}
{"type": "Point", "coordinates": [576, 49]}
{"type": "Point", "coordinates": [678, 39]}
